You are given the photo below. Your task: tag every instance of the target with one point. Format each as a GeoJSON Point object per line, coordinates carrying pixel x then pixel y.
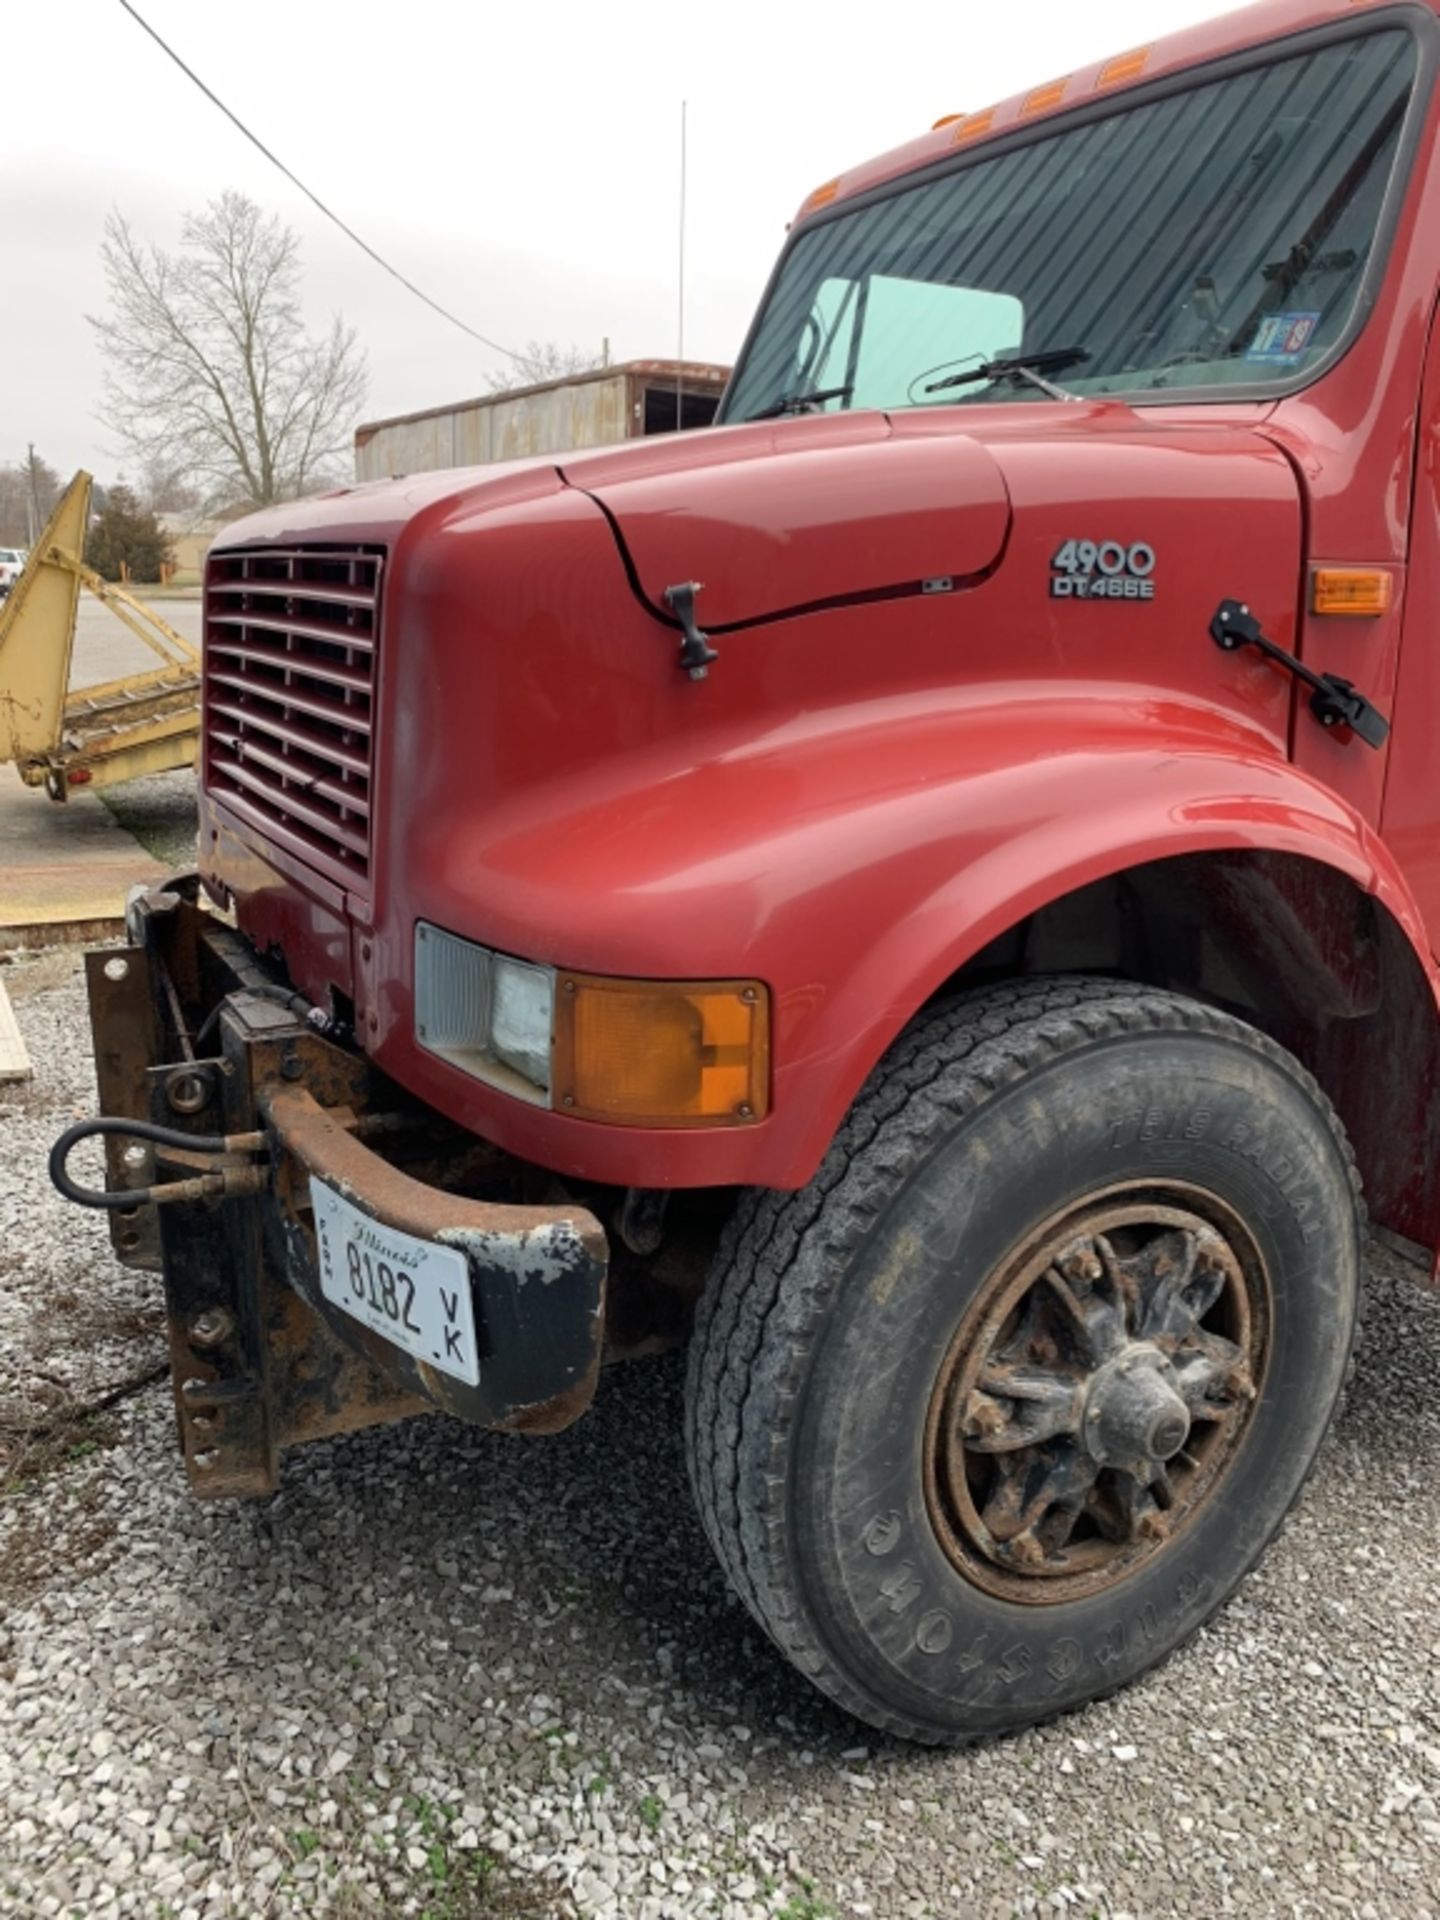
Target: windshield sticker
{"type": "Point", "coordinates": [1282, 338]}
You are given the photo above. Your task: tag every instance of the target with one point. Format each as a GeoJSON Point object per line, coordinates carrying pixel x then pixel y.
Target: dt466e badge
{"type": "Point", "coordinates": [1103, 570]}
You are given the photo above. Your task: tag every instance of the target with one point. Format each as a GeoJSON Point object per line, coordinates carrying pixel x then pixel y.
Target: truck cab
{"type": "Point", "coordinates": [950, 850]}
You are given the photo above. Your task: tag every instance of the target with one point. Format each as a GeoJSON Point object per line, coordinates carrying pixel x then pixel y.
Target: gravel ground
{"type": "Point", "coordinates": [160, 811]}
{"type": "Point", "coordinates": [465, 1676]}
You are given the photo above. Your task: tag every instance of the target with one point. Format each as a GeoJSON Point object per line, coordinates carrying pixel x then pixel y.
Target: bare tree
{"type": "Point", "coordinates": [546, 360]}
{"type": "Point", "coordinates": [212, 372]}
{"type": "Point", "coordinates": [164, 486]}
{"type": "Point", "coordinates": [28, 492]}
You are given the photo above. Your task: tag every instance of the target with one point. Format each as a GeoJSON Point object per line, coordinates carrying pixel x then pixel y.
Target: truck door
{"type": "Point", "coordinates": [1411, 817]}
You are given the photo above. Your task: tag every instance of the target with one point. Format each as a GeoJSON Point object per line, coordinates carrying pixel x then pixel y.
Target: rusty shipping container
{"type": "Point", "coordinates": [595, 409]}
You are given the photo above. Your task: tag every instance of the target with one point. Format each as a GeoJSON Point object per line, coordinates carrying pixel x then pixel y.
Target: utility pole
{"type": "Point", "coordinates": [32, 503]}
{"type": "Point", "coordinates": [680, 327]}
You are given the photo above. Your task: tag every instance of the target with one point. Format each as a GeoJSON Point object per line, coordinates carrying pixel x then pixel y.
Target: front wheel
{"type": "Point", "coordinates": [989, 1418]}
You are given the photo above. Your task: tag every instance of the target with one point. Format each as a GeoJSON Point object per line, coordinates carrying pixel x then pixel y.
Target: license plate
{"type": "Point", "coordinates": [412, 1292]}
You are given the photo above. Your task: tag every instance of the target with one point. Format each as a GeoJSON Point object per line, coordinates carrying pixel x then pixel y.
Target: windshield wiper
{"type": "Point", "coordinates": [1021, 366]}
{"type": "Point", "coordinates": [801, 402]}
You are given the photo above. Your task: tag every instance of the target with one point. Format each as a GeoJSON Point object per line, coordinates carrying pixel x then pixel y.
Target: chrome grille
{"type": "Point", "coordinates": [291, 635]}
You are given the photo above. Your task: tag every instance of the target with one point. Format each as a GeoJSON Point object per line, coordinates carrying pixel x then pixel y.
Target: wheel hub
{"type": "Point", "coordinates": [1097, 1391]}
{"type": "Point", "coordinates": [1134, 1415]}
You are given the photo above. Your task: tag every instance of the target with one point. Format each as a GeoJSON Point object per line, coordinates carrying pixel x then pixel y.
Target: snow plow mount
{"type": "Point", "coordinates": [279, 1119]}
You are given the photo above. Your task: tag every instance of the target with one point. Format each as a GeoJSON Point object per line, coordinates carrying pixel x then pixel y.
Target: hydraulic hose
{"type": "Point", "coordinates": [137, 1130]}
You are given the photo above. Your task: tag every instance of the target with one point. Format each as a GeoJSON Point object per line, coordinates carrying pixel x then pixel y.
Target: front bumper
{"type": "Point", "coordinates": [193, 1034]}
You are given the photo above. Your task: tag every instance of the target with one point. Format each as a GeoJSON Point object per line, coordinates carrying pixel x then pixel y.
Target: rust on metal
{"type": "Point", "coordinates": [145, 723]}
{"type": "Point", "coordinates": [1097, 1393]}
{"type": "Point", "coordinates": [529, 1245]}
{"type": "Point", "coordinates": [323, 1145]}
{"type": "Point", "coordinates": [261, 1360]}
{"type": "Point", "coordinates": [597, 408]}
{"type": "Point", "coordinates": [126, 1034]}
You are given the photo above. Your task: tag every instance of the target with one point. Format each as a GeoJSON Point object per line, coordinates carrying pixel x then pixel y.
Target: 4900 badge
{"type": "Point", "coordinates": [1103, 570]}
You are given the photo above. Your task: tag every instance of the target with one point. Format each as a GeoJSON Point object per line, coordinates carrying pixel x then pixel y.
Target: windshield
{"type": "Point", "coordinates": [1215, 238]}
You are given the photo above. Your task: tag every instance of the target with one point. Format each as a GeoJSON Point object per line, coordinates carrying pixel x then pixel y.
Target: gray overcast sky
{"type": "Point", "coordinates": [520, 163]}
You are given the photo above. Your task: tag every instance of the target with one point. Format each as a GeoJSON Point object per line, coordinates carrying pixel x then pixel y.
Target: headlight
{"type": "Point", "coordinates": [522, 1002]}
{"type": "Point", "coordinates": [484, 1013]}
{"type": "Point", "coordinates": [639, 1053]}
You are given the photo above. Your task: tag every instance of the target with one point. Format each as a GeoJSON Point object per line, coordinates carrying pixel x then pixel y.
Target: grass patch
{"type": "Point", "coordinates": [31, 974]}
{"type": "Point", "coordinates": [806, 1905]}
{"type": "Point", "coordinates": [33, 1449]}
{"type": "Point", "coordinates": [39, 1545]}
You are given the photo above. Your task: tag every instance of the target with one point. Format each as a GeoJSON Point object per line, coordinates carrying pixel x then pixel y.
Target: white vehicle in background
{"type": "Point", "coordinates": [12, 560]}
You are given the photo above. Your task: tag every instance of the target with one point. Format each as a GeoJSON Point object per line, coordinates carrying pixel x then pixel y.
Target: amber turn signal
{"type": "Point", "coordinates": [1363, 591]}
{"type": "Point", "coordinates": [662, 1053]}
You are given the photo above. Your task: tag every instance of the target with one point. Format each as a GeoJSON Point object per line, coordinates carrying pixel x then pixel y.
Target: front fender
{"type": "Point", "coordinates": [1097, 793]}
{"type": "Point", "coordinates": [855, 860]}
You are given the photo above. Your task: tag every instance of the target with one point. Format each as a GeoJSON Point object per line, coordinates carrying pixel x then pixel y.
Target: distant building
{"type": "Point", "coordinates": [594, 409]}
{"type": "Point", "coordinates": [190, 536]}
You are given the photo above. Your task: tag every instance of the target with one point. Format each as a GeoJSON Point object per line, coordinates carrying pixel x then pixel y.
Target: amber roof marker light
{"type": "Point", "coordinates": [1044, 98]}
{"type": "Point", "coordinates": [974, 127]}
{"type": "Point", "coordinates": [822, 196]}
{"type": "Point", "coordinates": [1125, 66]}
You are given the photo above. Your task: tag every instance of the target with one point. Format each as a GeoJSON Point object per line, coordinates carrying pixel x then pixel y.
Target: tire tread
{"type": "Point", "coordinates": [781, 1255]}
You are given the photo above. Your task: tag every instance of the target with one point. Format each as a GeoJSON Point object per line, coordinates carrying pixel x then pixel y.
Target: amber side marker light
{"type": "Point", "coordinates": [1359, 591]}
{"type": "Point", "coordinates": [662, 1053]}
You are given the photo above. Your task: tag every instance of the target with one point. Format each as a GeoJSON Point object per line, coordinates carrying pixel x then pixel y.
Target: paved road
{"type": "Point", "coordinates": [106, 650]}
{"type": "Point", "coordinates": [159, 811]}
{"type": "Point", "coordinates": [467, 1675]}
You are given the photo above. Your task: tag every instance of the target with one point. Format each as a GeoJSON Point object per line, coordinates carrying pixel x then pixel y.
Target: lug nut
{"type": "Point", "coordinates": [1084, 1266]}
{"type": "Point", "coordinates": [984, 1416]}
{"type": "Point", "coordinates": [1239, 1384]}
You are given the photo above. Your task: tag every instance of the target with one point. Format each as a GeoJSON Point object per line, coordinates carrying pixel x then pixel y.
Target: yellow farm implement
{"type": "Point", "coordinates": [89, 736]}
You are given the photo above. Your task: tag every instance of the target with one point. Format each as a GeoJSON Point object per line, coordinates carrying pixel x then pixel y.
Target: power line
{"type": "Point", "coordinates": [314, 199]}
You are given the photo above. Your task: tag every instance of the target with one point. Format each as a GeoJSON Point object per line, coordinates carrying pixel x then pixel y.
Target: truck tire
{"type": "Point", "coordinates": [994, 1414]}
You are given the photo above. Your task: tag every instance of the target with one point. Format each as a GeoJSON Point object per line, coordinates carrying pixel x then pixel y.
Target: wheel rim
{"type": "Point", "coordinates": [1097, 1393]}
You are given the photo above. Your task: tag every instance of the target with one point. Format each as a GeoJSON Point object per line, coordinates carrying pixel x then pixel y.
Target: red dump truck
{"type": "Point", "coordinates": [956, 844]}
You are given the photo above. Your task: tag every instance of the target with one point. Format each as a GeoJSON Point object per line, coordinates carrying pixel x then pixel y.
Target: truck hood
{"type": "Point", "coordinates": [795, 515]}
{"type": "Point", "coordinates": [783, 517]}
{"type": "Point", "coordinates": [769, 518]}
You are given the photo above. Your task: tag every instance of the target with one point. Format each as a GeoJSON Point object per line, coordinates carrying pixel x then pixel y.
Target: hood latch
{"type": "Point", "coordinates": [1335, 702]}
{"type": "Point", "coordinates": [696, 652]}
